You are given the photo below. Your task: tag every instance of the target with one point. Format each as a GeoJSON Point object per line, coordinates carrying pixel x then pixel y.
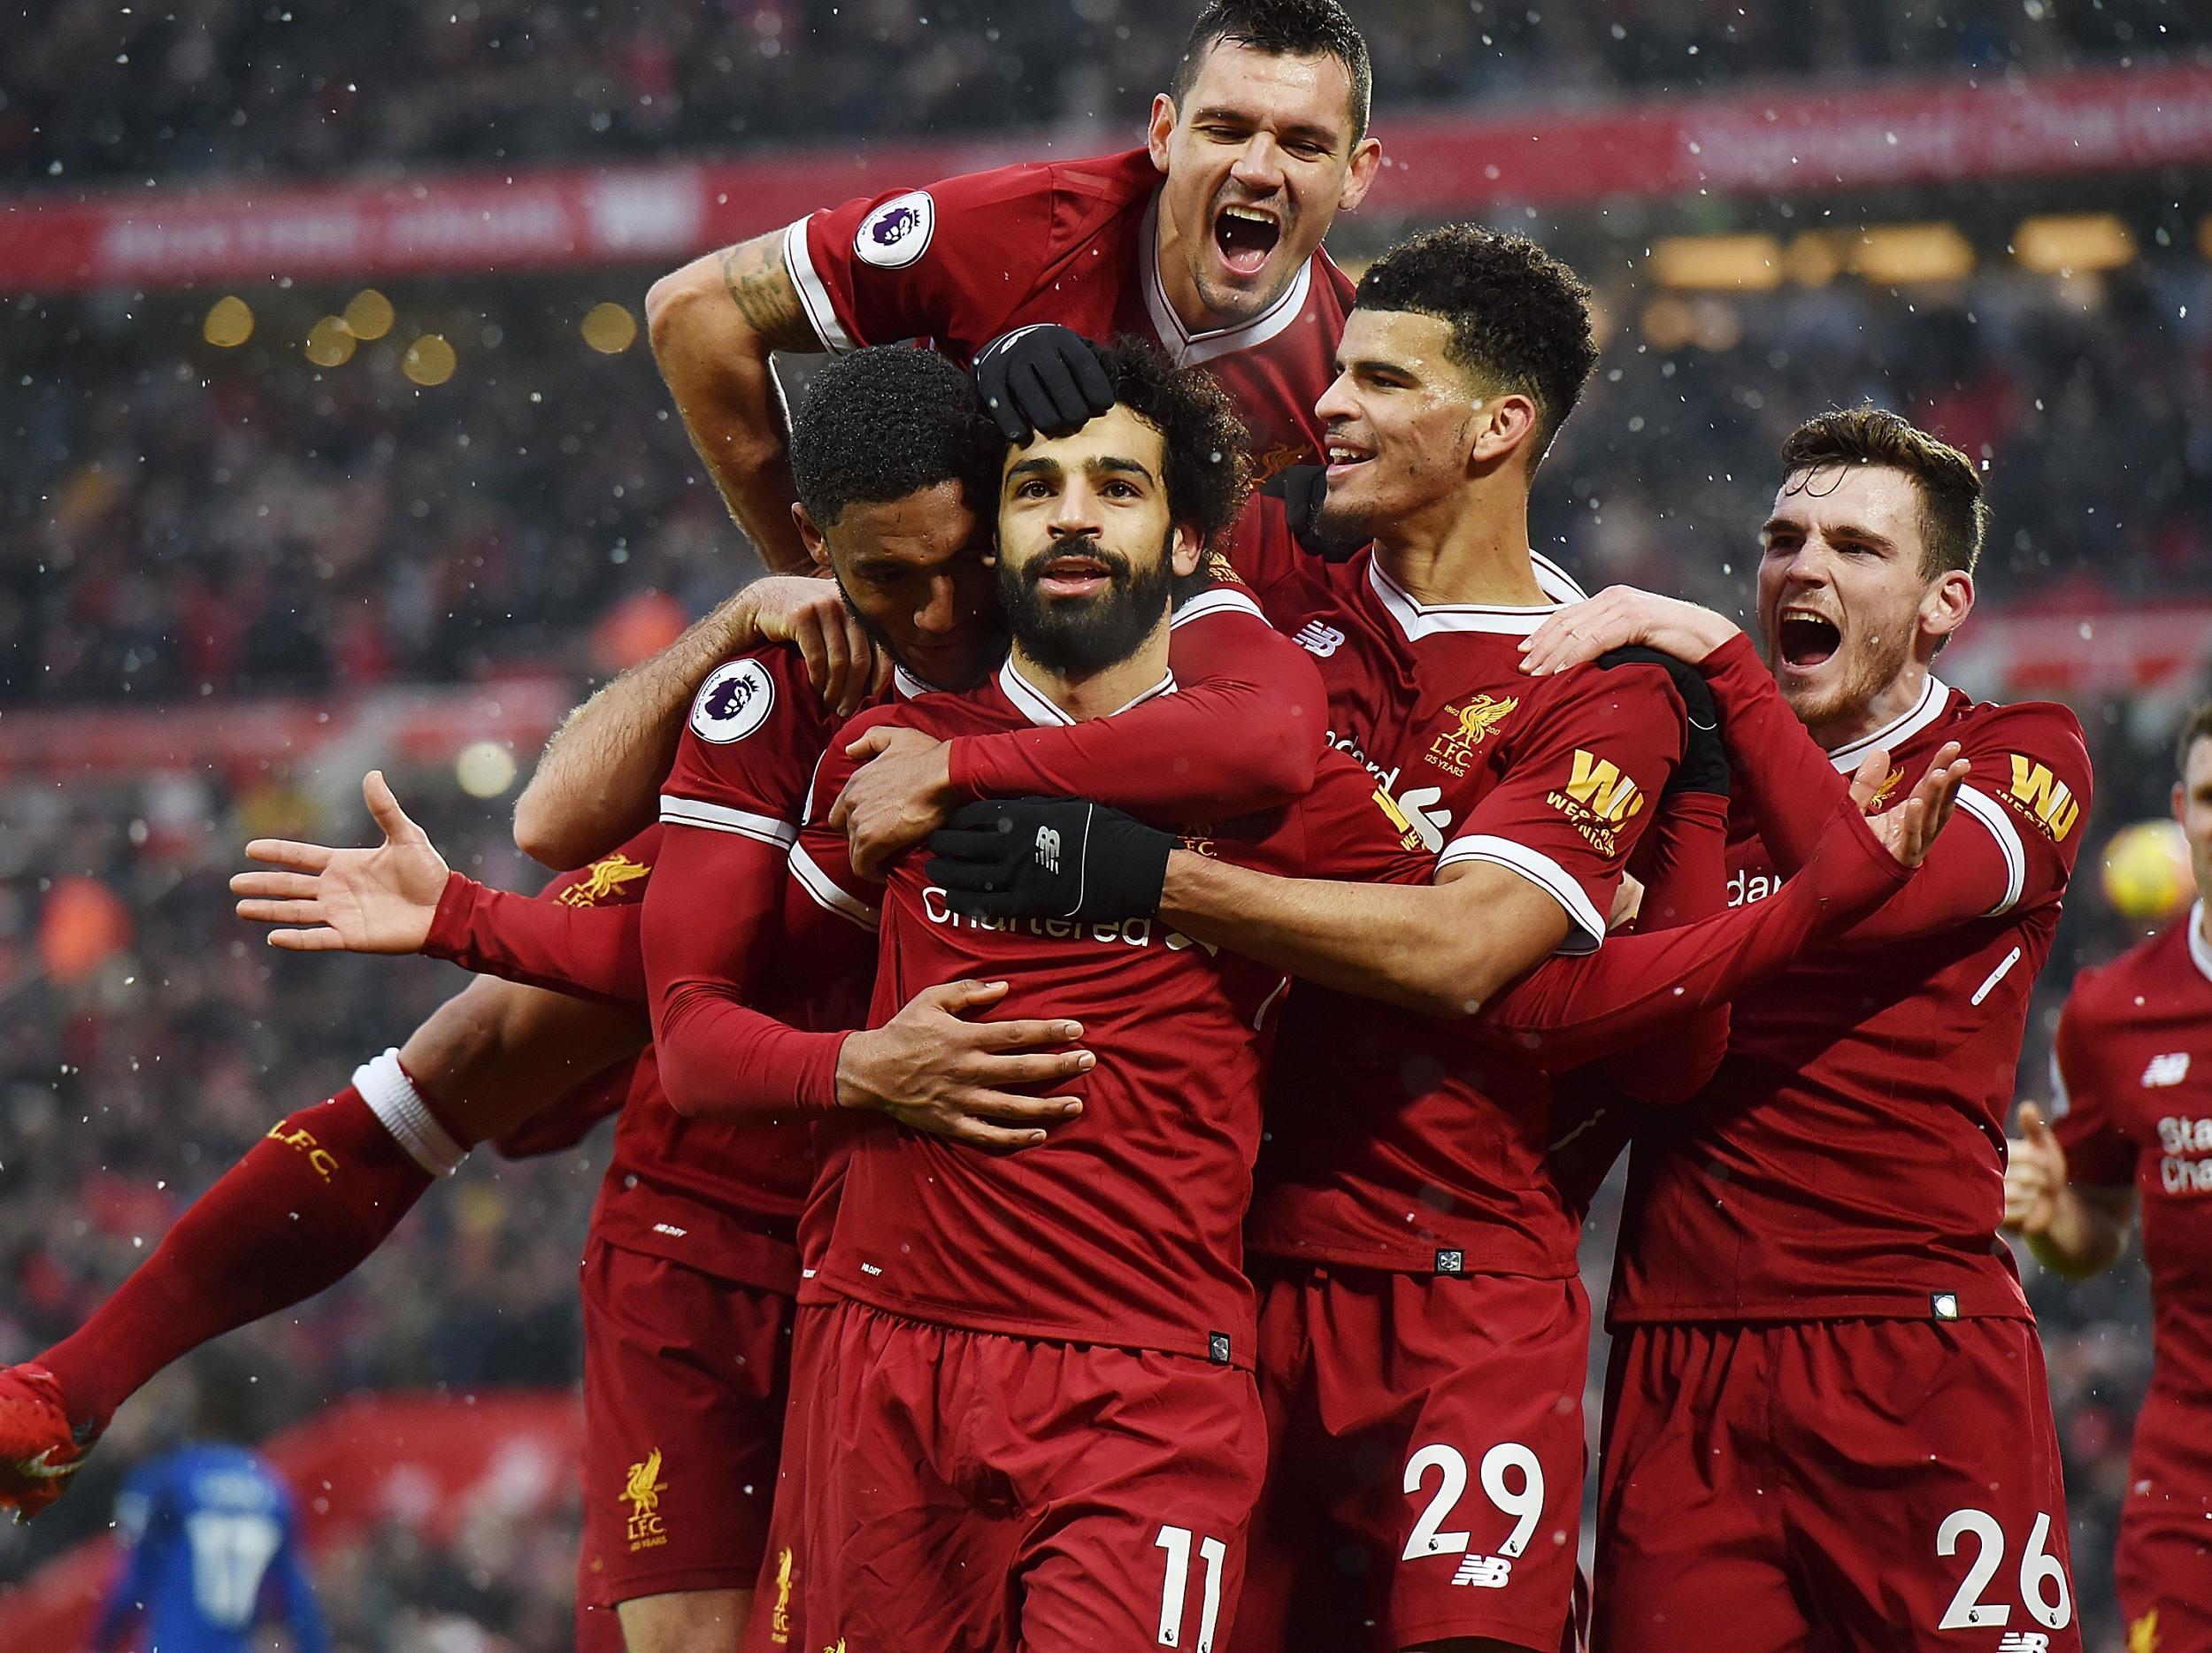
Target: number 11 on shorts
{"type": "Point", "coordinates": [1177, 1541]}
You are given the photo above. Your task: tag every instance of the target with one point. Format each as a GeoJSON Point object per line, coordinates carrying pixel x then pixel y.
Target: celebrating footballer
{"type": "Point", "coordinates": [1122, 963]}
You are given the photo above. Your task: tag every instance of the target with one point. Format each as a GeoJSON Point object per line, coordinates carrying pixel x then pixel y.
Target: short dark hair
{"type": "Point", "coordinates": [1208, 472]}
{"type": "Point", "coordinates": [1954, 517]}
{"type": "Point", "coordinates": [2198, 728]}
{"type": "Point", "coordinates": [886, 421]}
{"type": "Point", "coordinates": [1520, 318]}
{"type": "Point", "coordinates": [1283, 28]}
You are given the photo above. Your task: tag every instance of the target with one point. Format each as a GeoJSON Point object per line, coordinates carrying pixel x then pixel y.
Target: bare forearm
{"type": "Point", "coordinates": [2083, 1238]}
{"type": "Point", "coordinates": [715, 325]}
{"type": "Point", "coordinates": [1410, 945]}
{"type": "Point", "coordinates": [599, 781]}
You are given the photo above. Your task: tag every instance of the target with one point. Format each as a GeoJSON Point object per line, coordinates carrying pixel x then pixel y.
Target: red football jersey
{"type": "Point", "coordinates": [1126, 1227]}
{"type": "Point", "coordinates": [1067, 242]}
{"type": "Point", "coordinates": [1847, 1158]}
{"type": "Point", "coordinates": [1397, 1141]}
{"type": "Point", "coordinates": [2132, 1095]}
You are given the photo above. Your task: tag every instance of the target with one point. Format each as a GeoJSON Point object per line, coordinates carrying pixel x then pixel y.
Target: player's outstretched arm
{"type": "Point", "coordinates": [599, 781]}
{"type": "Point", "coordinates": [1242, 733]}
{"type": "Point", "coordinates": [356, 901]}
{"type": "Point", "coordinates": [714, 325]}
{"type": "Point", "coordinates": [2073, 1232]}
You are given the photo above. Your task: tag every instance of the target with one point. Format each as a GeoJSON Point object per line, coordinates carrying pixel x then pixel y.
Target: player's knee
{"type": "Point", "coordinates": [686, 1621]}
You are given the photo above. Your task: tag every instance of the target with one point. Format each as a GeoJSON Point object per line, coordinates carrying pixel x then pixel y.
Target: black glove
{"type": "Point", "coordinates": [1042, 377]}
{"type": "Point", "coordinates": [1704, 766]}
{"type": "Point", "coordinates": [1304, 489]}
{"type": "Point", "coordinates": [1049, 858]}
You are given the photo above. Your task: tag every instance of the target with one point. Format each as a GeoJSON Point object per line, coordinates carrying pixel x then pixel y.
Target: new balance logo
{"type": "Point", "coordinates": [1484, 1573]}
{"type": "Point", "coordinates": [2170, 1069]}
{"type": "Point", "coordinates": [1048, 849]}
{"type": "Point", "coordinates": [2023, 1642]}
{"type": "Point", "coordinates": [1315, 638]}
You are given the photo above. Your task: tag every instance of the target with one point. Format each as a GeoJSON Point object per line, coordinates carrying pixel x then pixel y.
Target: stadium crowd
{"type": "Point", "coordinates": [297, 529]}
{"type": "Point", "coordinates": [222, 85]}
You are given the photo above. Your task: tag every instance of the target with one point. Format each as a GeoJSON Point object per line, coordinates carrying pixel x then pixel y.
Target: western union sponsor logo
{"type": "Point", "coordinates": [1601, 788]}
{"type": "Point", "coordinates": [2043, 795]}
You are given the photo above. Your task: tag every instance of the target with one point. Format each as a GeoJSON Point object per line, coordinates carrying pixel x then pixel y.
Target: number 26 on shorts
{"type": "Point", "coordinates": [2043, 1590]}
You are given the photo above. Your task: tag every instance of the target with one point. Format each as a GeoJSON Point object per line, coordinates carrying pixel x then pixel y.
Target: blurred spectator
{"type": "Point", "coordinates": [91, 88]}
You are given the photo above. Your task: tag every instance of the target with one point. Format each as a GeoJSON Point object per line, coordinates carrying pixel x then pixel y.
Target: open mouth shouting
{"type": "Point", "coordinates": [1806, 638]}
{"type": "Point", "coordinates": [1246, 237]}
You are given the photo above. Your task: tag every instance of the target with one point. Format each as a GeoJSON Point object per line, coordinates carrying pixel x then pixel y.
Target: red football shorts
{"type": "Point", "coordinates": [1889, 1484]}
{"type": "Point", "coordinates": [685, 1381]}
{"type": "Point", "coordinates": [779, 1601]}
{"type": "Point", "coordinates": [2163, 1569]}
{"type": "Point", "coordinates": [989, 1494]}
{"type": "Point", "coordinates": [1427, 1459]}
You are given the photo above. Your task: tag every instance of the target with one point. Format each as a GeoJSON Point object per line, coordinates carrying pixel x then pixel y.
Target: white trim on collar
{"type": "Point", "coordinates": [1934, 695]}
{"type": "Point", "coordinates": [906, 686]}
{"type": "Point", "coordinates": [1034, 705]}
{"type": "Point", "coordinates": [2200, 950]}
{"type": "Point", "coordinates": [1189, 350]}
{"type": "Point", "coordinates": [1417, 622]}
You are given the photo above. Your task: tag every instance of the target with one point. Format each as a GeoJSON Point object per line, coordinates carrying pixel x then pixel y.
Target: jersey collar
{"type": "Point", "coordinates": [1188, 348]}
{"type": "Point", "coordinates": [1415, 620]}
{"type": "Point", "coordinates": [1935, 693]}
{"type": "Point", "coordinates": [906, 686]}
{"type": "Point", "coordinates": [2200, 950]}
{"type": "Point", "coordinates": [1034, 705]}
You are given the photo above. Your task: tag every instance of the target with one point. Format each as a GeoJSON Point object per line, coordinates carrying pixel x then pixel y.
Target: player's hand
{"type": "Point", "coordinates": [1628, 901]}
{"type": "Point", "coordinates": [362, 901]}
{"type": "Point", "coordinates": [843, 662]}
{"type": "Point", "coordinates": [1042, 377]}
{"type": "Point", "coordinates": [1909, 831]}
{"type": "Point", "coordinates": [932, 1068]}
{"type": "Point", "coordinates": [1304, 489]}
{"type": "Point", "coordinates": [1049, 858]}
{"type": "Point", "coordinates": [897, 797]}
{"type": "Point", "coordinates": [2035, 1175]}
{"type": "Point", "coordinates": [1616, 618]}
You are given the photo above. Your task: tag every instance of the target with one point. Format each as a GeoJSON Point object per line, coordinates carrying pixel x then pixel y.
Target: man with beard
{"type": "Point", "coordinates": [1207, 239]}
{"type": "Point", "coordinates": [1038, 1371]}
{"type": "Point", "coordinates": [892, 455]}
{"type": "Point", "coordinates": [1826, 1413]}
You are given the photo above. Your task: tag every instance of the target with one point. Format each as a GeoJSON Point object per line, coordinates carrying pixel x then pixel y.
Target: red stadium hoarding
{"type": "Point", "coordinates": [1784, 139]}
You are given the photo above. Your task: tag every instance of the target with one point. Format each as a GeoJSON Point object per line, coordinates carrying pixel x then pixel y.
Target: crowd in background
{"type": "Point", "coordinates": [94, 90]}
{"type": "Point", "coordinates": [184, 522]}
{"type": "Point", "coordinates": [192, 522]}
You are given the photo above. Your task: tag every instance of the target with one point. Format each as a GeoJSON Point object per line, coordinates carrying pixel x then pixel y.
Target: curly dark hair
{"type": "Point", "coordinates": [886, 421]}
{"type": "Point", "coordinates": [1208, 475]}
{"type": "Point", "coordinates": [1520, 318]}
{"type": "Point", "coordinates": [1954, 517]}
{"type": "Point", "coordinates": [1284, 28]}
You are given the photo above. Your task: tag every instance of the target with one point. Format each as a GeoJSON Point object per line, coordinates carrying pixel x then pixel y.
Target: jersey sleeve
{"type": "Point", "coordinates": [823, 884]}
{"type": "Point", "coordinates": [2028, 788]}
{"type": "Point", "coordinates": [1241, 733]}
{"type": "Point", "coordinates": [950, 262]}
{"type": "Point", "coordinates": [1346, 833]}
{"type": "Point", "coordinates": [2099, 1154]}
{"type": "Point", "coordinates": [578, 936]}
{"type": "Point", "coordinates": [747, 750]}
{"type": "Point", "coordinates": [1578, 790]}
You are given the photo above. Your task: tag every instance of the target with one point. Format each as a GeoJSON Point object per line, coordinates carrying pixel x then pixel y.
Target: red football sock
{"type": "Point", "coordinates": [303, 1209]}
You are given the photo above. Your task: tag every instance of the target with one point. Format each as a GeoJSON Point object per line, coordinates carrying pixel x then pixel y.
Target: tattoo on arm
{"type": "Point", "coordinates": [753, 276]}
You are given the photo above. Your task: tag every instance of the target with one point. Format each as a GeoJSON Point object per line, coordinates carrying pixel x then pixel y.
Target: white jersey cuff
{"type": "Point", "coordinates": [1992, 815]}
{"type": "Point", "coordinates": [1587, 933]}
{"type": "Point", "coordinates": [814, 294]}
